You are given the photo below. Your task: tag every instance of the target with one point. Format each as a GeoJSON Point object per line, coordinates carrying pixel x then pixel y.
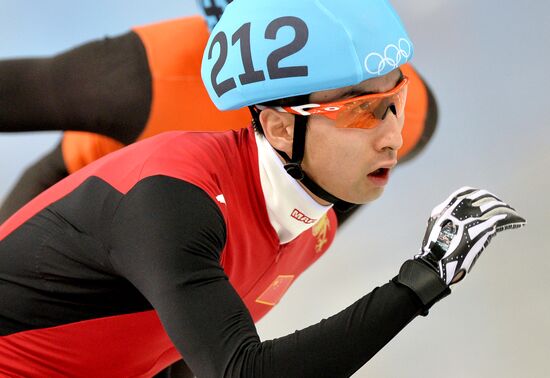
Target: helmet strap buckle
{"type": "Point", "coordinates": [294, 169]}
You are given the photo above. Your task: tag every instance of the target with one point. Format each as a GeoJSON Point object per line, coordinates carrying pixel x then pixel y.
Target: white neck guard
{"type": "Point", "coordinates": [290, 208]}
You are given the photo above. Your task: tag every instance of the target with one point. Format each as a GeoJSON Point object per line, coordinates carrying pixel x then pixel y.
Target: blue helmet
{"type": "Point", "coordinates": [212, 10]}
{"type": "Point", "coordinates": [263, 50]}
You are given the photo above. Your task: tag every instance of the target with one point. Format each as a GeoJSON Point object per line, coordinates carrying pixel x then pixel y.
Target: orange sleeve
{"type": "Point", "coordinates": [180, 100]}
{"type": "Point", "coordinates": [416, 111]}
{"type": "Point", "coordinates": [81, 148]}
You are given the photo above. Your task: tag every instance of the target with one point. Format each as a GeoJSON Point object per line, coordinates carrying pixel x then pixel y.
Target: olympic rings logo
{"type": "Point", "coordinates": [375, 63]}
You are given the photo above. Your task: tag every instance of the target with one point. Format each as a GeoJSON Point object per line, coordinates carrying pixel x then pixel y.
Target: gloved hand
{"type": "Point", "coordinates": [458, 231]}
{"type": "Point", "coordinates": [460, 228]}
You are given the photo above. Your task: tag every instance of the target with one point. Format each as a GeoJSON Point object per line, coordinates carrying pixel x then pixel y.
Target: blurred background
{"type": "Point", "coordinates": [486, 62]}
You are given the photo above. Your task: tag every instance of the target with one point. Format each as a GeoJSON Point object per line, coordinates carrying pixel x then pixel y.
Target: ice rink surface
{"type": "Point", "coordinates": [486, 62]}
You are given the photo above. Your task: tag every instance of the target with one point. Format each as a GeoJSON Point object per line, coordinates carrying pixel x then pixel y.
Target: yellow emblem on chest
{"type": "Point", "coordinates": [319, 231]}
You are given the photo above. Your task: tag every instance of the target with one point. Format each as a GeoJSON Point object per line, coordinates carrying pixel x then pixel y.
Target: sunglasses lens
{"type": "Point", "coordinates": [370, 111]}
{"type": "Point", "coordinates": [361, 116]}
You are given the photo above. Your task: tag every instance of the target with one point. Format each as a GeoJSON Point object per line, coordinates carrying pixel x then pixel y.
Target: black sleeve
{"type": "Point", "coordinates": [167, 239]}
{"type": "Point", "coordinates": [34, 180]}
{"type": "Point", "coordinates": [176, 370]}
{"type": "Point", "coordinates": [102, 87]}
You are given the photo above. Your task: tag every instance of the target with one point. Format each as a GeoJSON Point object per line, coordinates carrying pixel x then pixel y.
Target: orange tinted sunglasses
{"type": "Point", "coordinates": [362, 112]}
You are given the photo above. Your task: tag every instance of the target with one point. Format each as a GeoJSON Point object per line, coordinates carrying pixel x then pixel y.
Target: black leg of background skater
{"type": "Point", "coordinates": [34, 180]}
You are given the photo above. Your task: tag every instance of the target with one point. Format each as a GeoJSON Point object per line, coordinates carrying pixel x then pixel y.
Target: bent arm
{"type": "Point", "coordinates": [168, 236]}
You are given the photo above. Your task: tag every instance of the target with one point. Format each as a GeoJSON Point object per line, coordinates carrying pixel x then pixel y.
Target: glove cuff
{"type": "Point", "coordinates": [424, 281]}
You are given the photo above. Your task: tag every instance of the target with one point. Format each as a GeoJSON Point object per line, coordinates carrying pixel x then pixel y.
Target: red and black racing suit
{"type": "Point", "coordinates": [165, 249]}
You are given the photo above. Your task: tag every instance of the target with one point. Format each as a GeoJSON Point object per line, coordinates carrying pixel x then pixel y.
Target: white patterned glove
{"type": "Point", "coordinates": [460, 228]}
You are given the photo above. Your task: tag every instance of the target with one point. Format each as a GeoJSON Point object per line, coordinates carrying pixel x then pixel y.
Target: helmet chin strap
{"type": "Point", "coordinates": [293, 165]}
